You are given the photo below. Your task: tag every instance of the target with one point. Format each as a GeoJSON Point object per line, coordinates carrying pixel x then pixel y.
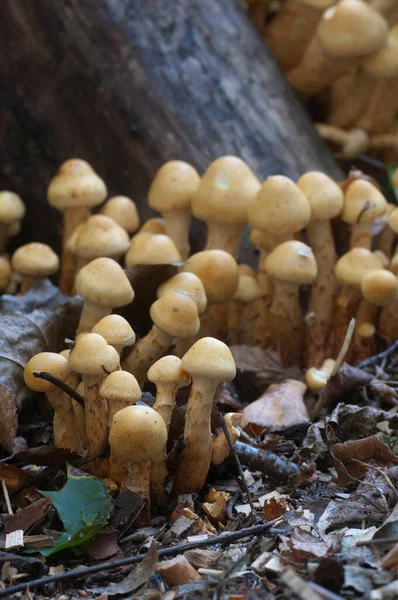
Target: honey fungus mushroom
{"type": "Point", "coordinates": [151, 249]}
{"type": "Point", "coordinates": [122, 210]}
{"type": "Point", "coordinates": [117, 331]}
{"type": "Point", "coordinates": [12, 211]}
{"type": "Point", "coordinates": [33, 262]}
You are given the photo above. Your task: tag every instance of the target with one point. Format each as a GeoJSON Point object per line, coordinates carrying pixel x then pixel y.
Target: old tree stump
{"type": "Point", "coordinates": [128, 85]}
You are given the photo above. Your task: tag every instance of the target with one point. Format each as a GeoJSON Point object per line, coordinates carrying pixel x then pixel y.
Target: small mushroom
{"type": "Point", "coordinates": [220, 448]}
{"type": "Point", "coordinates": [316, 379]}
{"type": "Point", "coordinates": [151, 249]}
{"type": "Point", "coordinates": [243, 306]}
{"type": "Point", "coordinates": [73, 191]}
{"type": "Point", "coordinates": [363, 204]}
{"type": "Point", "coordinates": [154, 225]}
{"type": "Point", "coordinates": [171, 194]}
{"type": "Point", "coordinates": [209, 362]}
{"type": "Point", "coordinates": [124, 211]}
{"type": "Point", "coordinates": [138, 436]}
{"type": "Point", "coordinates": [33, 262]}
{"type": "Point", "coordinates": [12, 211]}
{"type": "Point", "coordinates": [5, 273]}
{"type": "Point", "coordinates": [104, 286]}
{"type": "Point", "coordinates": [116, 331]}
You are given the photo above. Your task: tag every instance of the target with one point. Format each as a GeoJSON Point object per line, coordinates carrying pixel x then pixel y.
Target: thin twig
{"type": "Point", "coordinates": [224, 538]}
{"type": "Point", "coordinates": [373, 359]}
{"type": "Point", "coordinates": [60, 384]}
{"type": "Point", "coordinates": [240, 328]}
{"type": "Point", "coordinates": [6, 497]}
{"type": "Point", "coordinates": [237, 461]}
{"type": "Point", "coordinates": [386, 477]}
{"type": "Point", "coordinates": [377, 542]}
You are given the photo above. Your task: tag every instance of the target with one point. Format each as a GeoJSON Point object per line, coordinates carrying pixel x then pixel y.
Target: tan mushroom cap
{"type": "Point", "coordinates": [379, 287]}
{"type": "Point", "coordinates": [100, 236]}
{"type": "Point", "coordinates": [384, 64]}
{"type": "Point", "coordinates": [173, 187]}
{"type": "Point", "coordinates": [168, 370]}
{"type": "Point", "coordinates": [104, 282]}
{"type": "Point", "coordinates": [116, 330]}
{"type": "Point", "coordinates": [186, 282]}
{"type": "Point", "coordinates": [354, 265]}
{"type": "Point", "coordinates": [123, 210]}
{"type": "Point", "coordinates": [93, 356]}
{"type": "Point", "coordinates": [324, 195]}
{"type": "Point", "coordinates": [138, 433]}
{"type": "Point", "coordinates": [292, 262]}
{"type": "Point", "coordinates": [393, 220]}
{"type": "Point", "coordinates": [248, 290]}
{"type": "Point", "coordinates": [209, 358]}
{"type": "Point", "coordinates": [394, 264]}
{"type": "Point", "coordinates": [383, 258]}
{"type": "Point", "coordinates": [218, 272]}
{"type": "Point", "coordinates": [5, 273]}
{"type": "Point", "coordinates": [259, 237]}
{"type": "Point", "coordinates": [65, 353]}
{"type": "Point", "coordinates": [280, 207]}
{"type": "Point", "coordinates": [11, 207]}
{"type": "Point", "coordinates": [225, 191]}
{"type": "Point", "coordinates": [121, 386]}
{"type": "Point", "coordinates": [152, 249]}
{"type": "Point", "coordinates": [50, 362]}
{"type": "Point", "coordinates": [154, 225]}
{"type": "Point", "coordinates": [176, 314]}
{"type": "Point", "coordinates": [362, 201]}
{"type": "Point", "coordinates": [351, 29]}
{"type": "Point", "coordinates": [75, 184]}
{"type": "Point", "coordinates": [35, 260]}
{"type": "Point", "coordinates": [246, 270]}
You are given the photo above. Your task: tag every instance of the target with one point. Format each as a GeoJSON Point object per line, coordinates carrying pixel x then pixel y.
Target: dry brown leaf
{"type": "Point", "coordinates": [280, 406]}
{"type": "Point", "coordinates": [13, 476]}
{"type": "Point", "coordinates": [104, 546]}
{"type": "Point", "coordinates": [27, 517]}
{"type": "Point", "coordinates": [216, 505]}
{"type": "Point", "coordinates": [363, 450]}
{"type": "Point", "coordinates": [390, 560]}
{"type": "Point", "coordinates": [274, 508]}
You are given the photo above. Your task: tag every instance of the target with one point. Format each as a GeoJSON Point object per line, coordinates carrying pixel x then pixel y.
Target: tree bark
{"type": "Point", "coordinates": [128, 85]}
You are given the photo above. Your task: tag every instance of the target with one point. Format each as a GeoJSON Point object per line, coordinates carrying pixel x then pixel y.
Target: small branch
{"type": "Point", "coordinates": [373, 359]}
{"type": "Point", "coordinates": [225, 538]}
{"type": "Point", "coordinates": [240, 328]}
{"type": "Point", "coordinates": [6, 497]}
{"type": "Point", "coordinates": [298, 585]}
{"type": "Point", "coordinates": [61, 385]}
{"type": "Point", "coordinates": [377, 542]}
{"type": "Point", "coordinates": [266, 461]}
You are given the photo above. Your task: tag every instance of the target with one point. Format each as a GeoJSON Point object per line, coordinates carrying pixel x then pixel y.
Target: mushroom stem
{"type": "Point", "coordinates": [217, 321]}
{"type": "Point", "coordinates": [365, 328]}
{"type": "Point", "coordinates": [285, 308]}
{"type": "Point", "coordinates": [27, 283]}
{"type": "Point", "coordinates": [65, 433]}
{"type": "Point", "coordinates": [91, 314]}
{"type": "Point", "coordinates": [347, 303]}
{"type": "Point", "coordinates": [349, 97]}
{"type": "Point", "coordinates": [381, 111]}
{"type": "Point", "coordinates": [388, 322]}
{"type": "Point", "coordinates": [196, 457]}
{"type": "Point", "coordinates": [137, 480]}
{"type": "Point", "coordinates": [351, 143]}
{"type": "Point", "coordinates": [316, 379]}
{"type": "Point", "coordinates": [97, 423]}
{"type": "Point", "coordinates": [223, 236]}
{"type": "Point", "coordinates": [177, 228]}
{"type": "Point", "coordinates": [361, 235]}
{"type": "Point", "coordinates": [146, 352]}
{"type": "Point", "coordinates": [220, 446]}
{"type": "Point", "coordinates": [323, 292]}
{"type": "Point", "coordinates": [72, 218]}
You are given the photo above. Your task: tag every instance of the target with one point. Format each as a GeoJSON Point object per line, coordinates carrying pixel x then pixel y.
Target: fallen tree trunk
{"type": "Point", "coordinates": [129, 85]}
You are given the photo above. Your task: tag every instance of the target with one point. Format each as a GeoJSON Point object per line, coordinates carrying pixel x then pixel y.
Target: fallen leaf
{"type": "Point", "coordinates": [385, 392]}
{"type": "Point", "coordinates": [44, 295]}
{"type": "Point", "coordinates": [29, 564]}
{"type": "Point", "coordinates": [9, 418]}
{"type": "Point", "coordinates": [216, 505]}
{"type": "Point", "coordinates": [313, 446]}
{"type": "Point", "coordinates": [27, 517]}
{"type": "Point", "coordinates": [282, 405]}
{"type": "Point", "coordinates": [274, 507]}
{"type": "Point", "coordinates": [349, 421]}
{"type": "Point", "coordinates": [390, 560]}
{"type": "Point", "coordinates": [104, 546]}
{"type": "Point", "coordinates": [46, 456]}
{"type": "Point", "coordinates": [347, 379]}
{"type": "Point", "coordinates": [13, 476]}
{"type": "Point", "coordinates": [363, 450]}
{"type": "Point", "coordinates": [127, 507]}
{"type": "Point", "coordinates": [363, 581]}
{"type": "Point", "coordinates": [201, 558]}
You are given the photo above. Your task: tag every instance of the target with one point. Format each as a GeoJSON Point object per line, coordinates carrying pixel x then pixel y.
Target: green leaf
{"type": "Point", "coordinates": [390, 174]}
{"type": "Point", "coordinates": [84, 507]}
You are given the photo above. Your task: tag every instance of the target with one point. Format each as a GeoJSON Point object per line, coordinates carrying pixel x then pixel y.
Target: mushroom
{"type": "Point", "coordinates": [350, 144]}
{"type": "Point", "coordinates": [220, 447]}
{"type": "Point", "coordinates": [171, 194]}
{"type": "Point", "coordinates": [93, 358]}
{"type": "Point", "coordinates": [73, 191]}
{"type": "Point", "coordinates": [209, 362]}
{"type": "Point", "coordinates": [348, 32]}
{"type": "Point", "coordinates": [65, 432]}
{"type": "Point", "coordinates": [151, 249]}
{"type": "Point", "coordinates": [174, 315]}
{"type": "Point", "coordinates": [154, 225]}
{"type": "Point", "coordinates": [124, 211]}
{"type": "Point", "coordinates": [80, 419]}
{"type": "Point", "coordinates": [5, 273]}
{"type": "Point", "coordinates": [386, 238]}
{"type": "Point", "coordinates": [363, 204]}
{"type": "Point", "coordinates": [316, 379]}
{"type": "Point", "coordinates": [168, 377]}
{"type": "Point", "coordinates": [290, 265]}
{"type": "Point", "coordinates": [226, 189]}
{"type": "Point", "coordinates": [291, 30]}
{"type": "Point", "coordinates": [326, 201]}
{"type": "Point", "coordinates": [104, 286]}
{"type": "Point", "coordinates": [33, 262]}
{"type": "Point", "coordinates": [138, 436]}
{"type": "Point", "coordinates": [12, 211]}
{"type": "Point", "coordinates": [116, 331]}
{"type": "Point", "coordinates": [242, 306]}
{"type": "Point", "coordinates": [393, 224]}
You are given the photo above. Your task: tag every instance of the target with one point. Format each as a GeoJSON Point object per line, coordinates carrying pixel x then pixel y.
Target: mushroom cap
{"type": "Point", "coordinates": [324, 195]}
{"type": "Point", "coordinates": [209, 358]}
{"type": "Point", "coordinates": [35, 260]}
{"type": "Point", "coordinates": [351, 29]}
{"type": "Point", "coordinates": [383, 258]}
{"type": "Point", "coordinates": [11, 207]}
{"type": "Point", "coordinates": [151, 249]}
{"type": "Point", "coordinates": [122, 210]}
{"type": "Point", "coordinates": [362, 201]}
{"type": "Point", "coordinates": [246, 270]}
{"type": "Point", "coordinates": [75, 184]}
{"type": "Point", "coordinates": [354, 265]}
{"type": "Point", "coordinates": [186, 282]}
{"type": "Point", "coordinates": [292, 262]}
{"type": "Point", "coordinates": [280, 207]}
{"type": "Point", "coordinates": [225, 191]}
{"type": "Point", "coordinates": [116, 330]}
{"type": "Point", "coordinates": [50, 362]}
{"type": "Point", "coordinates": [14, 228]}
{"type": "Point", "coordinates": [168, 370]}
{"type": "Point", "coordinates": [176, 314]}
{"type": "Point", "coordinates": [173, 187]}
{"type": "Point", "coordinates": [100, 236]}
{"type": "Point", "coordinates": [260, 238]}
{"type": "Point", "coordinates": [91, 355]}
{"type": "Point", "coordinates": [393, 220]}
{"type": "Point", "coordinates": [218, 272]}
{"type": "Point", "coordinates": [5, 273]}
{"type": "Point", "coordinates": [248, 290]}
{"type": "Point", "coordinates": [121, 386]}
{"type": "Point", "coordinates": [104, 282]}
{"type": "Point", "coordinates": [384, 64]}
{"type": "Point", "coordinates": [138, 433]}
{"type": "Point", "coordinates": [154, 225]}
{"type": "Point", "coordinates": [379, 287]}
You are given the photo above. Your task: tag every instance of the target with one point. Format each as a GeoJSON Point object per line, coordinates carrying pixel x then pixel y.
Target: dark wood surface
{"type": "Point", "coordinates": [130, 84]}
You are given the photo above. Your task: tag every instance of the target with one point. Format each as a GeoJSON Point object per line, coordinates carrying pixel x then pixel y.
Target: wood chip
{"type": "Point", "coordinates": [177, 571]}
{"type": "Point", "coordinates": [14, 540]}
